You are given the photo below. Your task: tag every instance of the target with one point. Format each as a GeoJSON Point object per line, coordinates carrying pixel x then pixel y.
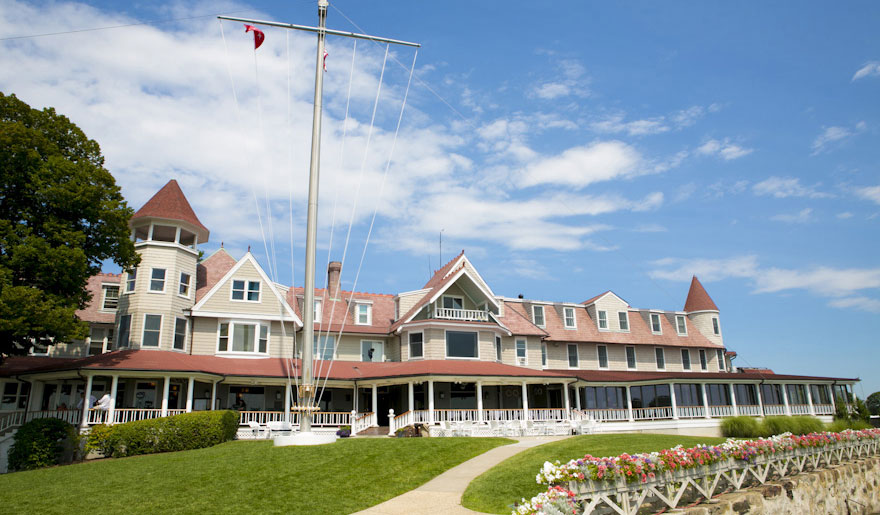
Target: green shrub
{"type": "Point", "coordinates": [805, 424]}
{"type": "Point", "coordinates": [41, 443]}
{"type": "Point", "coordinates": [841, 424]}
{"type": "Point", "coordinates": [740, 427]}
{"type": "Point", "coordinates": [177, 433]}
{"type": "Point", "coordinates": [798, 425]}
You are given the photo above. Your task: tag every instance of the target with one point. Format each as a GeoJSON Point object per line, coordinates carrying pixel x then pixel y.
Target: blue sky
{"type": "Point", "coordinates": [568, 148]}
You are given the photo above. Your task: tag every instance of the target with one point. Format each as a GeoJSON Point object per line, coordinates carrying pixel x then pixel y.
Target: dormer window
{"type": "Point", "coordinates": [603, 320]}
{"type": "Point", "coordinates": [655, 323]}
{"type": "Point", "coordinates": [680, 325]}
{"type": "Point", "coordinates": [157, 280]}
{"type": "Point", "coordinates": [538, 315]}
{"type": "Point", "coordinates": [364, 314]}
{"type": "Point", "coordinates": [570, 322]}
{"type": "Point", "coordinates": [715, 327]}
{"type": "Point", "coordinates": [111, 298]}
{"type": "Point", "coordinates": [623, 320]}
{"type": "Point", "coordinates": [246, 290]}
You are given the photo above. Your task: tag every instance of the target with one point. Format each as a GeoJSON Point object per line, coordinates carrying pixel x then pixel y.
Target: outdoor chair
{"type": "Point", "coordinates": [256, 428]}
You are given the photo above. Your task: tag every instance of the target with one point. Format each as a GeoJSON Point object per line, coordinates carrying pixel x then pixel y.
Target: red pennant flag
{"type": "Point", "coordinates": [325, 60]}
{"type": "Point", "coordinates": [258, 35]}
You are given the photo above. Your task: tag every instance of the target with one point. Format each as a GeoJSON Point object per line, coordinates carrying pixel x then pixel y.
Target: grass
{"type": "Point", "coordinates": [513, 479]}
{"type": "Point", "coordinates": [243, 477]}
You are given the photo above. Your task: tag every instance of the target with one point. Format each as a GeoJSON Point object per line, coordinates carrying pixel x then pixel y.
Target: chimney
{"type": "Point", "coordinates": [520, 296]}
{"type": "Point", "coordinates": [333, 271]}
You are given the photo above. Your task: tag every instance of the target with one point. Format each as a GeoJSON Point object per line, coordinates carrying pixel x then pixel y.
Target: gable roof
{"type": "Point", "coordinates": [601, 295]}
{"type": "Point", "coordinates": [698, 299]}
{"type": "Point", "coordinates": [170, 203]}
{"type": "Point", "coordinates": [211, 270]}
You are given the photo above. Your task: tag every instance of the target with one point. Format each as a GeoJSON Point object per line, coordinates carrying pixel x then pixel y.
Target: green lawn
{"type": "Point", "coordinates": [242, 477]}
{"type": "Point", "coordinates": [511, 480]}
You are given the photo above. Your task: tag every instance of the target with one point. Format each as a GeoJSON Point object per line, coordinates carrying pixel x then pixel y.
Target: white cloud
{"type": "Point", "coordinates": [861, 303]}
{"type": "Point", "coordinates": [801, 217]}
{"type": "Point", "coordinates": [650, 228]}
{"type": "Point", "coordinates": [708, 270]}
{"type": "Point", "coordinates": [835, 134]}
{"type": "Point", "coordinates": [845, 215]}
{"type": "Point", "coordinates": [582, 166]}
{"type": "Point", "coordinates": [569, 80]}
{"type": "Point", "coordinates": [784, 187]}
{"type": "Point", "coordinates": [871, 193]}
{"type": "Point", "coordinates": [723, 149]}
{"type": "Point", "coordinates": [871, 69]}
{"type": "Point", "coordinates": [617, 123]}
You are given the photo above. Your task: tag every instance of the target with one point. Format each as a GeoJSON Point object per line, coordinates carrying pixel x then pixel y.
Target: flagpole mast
{"type": "Point", "coordinates": [307, 389]}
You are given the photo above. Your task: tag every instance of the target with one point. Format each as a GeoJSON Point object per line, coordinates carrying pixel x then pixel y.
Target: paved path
{"type": "Point", "coordinates": [443, 493]}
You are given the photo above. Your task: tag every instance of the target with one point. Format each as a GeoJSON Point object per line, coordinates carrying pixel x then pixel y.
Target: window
{"type": "Point", "coordinates": [246, 290]}
{"type": "Point", "coordinates": [244, 336]}
{"type": "Point", "coordinates": [623, 320]}
{"type": "Point", "coordinates": [130, 281]}
{"type": "Point", "coordinates": [604, 397]}
{"type": "Point", "coordinates": [715, 327]}
{"type": "Point", "coordinates": [661, 359]}
{"type": "Point", "coordinates": [157, 280]}
{"type": "Point", "coordinates": [655, 323]}
{"type": "Point", "coordinates": [324, 347]}
{"type": "Point", "coordinates": [688, 394]}
{"type": "Point", "coordinates": [124, 328]}
{"type": "Point", "coordinates": [111, 298]}
{"type": "Point", "coordinates": [538, 315]}
{"type": "Point", "coordinates": [183, 289]}
{"type": "Point", "coordinates": [416, 345]}
{"type": "Point", "coordinates": [460, 344]}
{"type": "Point", "coordinates": [570, 322]}
{"type": "Point", "coordinates": [498, 348]}
{"type": "Point", "coordinates": [372, 351]}
{"type": "Point", "coordinates": [704, 363]}
{"type": "Point", "coordinates": [572, 356]}
{"type": "Point", "coordinates": [15, 396]}
{"type": "Point", "coordinates": [450, 302]}
{"type": "Point", "coordinates": [602, 350]}
{"type": "Point", "coordinates": [152, 330]}
{"type": "Point", "coordinates": [719, 355]}
{"type": "Point", "coordinates": [544, 355]}
{"type": "Point", "coordinates": [364, 314]}
{"type": "Point", "coordinates": [603, 320]}
{"type": "Point", "coordinates": [521, 350]}
{"type": "Point", "coordinates": [680, 325]}
{"type": "Point", "coordinates": [685, 359]}
{"type": "Point", "coordinates": [631, 357]}
{"type": "Point", "coordinates": [651, 396]}
{"type": "Point", "coordinates": [318, 311]}
{"type": "Point", "coordinates": [180, 334]}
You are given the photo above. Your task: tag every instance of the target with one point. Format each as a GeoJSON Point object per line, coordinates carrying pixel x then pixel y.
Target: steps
{"type": "Point", "coordinates": [374, 431]}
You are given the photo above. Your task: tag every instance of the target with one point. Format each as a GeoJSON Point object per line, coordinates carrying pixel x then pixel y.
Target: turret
{"type": "Point", "coordinates": [703, 313]}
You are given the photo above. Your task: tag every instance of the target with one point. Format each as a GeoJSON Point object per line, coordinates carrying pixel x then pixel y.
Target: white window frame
{"type": "Point", "coordinates": [498, 349]}
{"type": "Point", "coordinates": [454, 297]}
{"type": "Point", "coordinates": [318, 310]}
{"type": "Point", "coordinates": [245, 291]}
{"type": "Point", "coordinates": [357, 313]}
{"type": "Point", "coordinates": [144, 330]}
{"type": "Point", "coordinates": [446, 345]}
{"type": "Point", "coordinates": [316, 349]}
{"type": "Point", "coordinates": [231, 332]}
{"type": "Point", "coordinates": [127, 333]}
{"type": "Point", "coordinates": [625, 320]}
{"type": "Point", "coordinates": [685, 352]}
{"type": "Point", "coordinates": [543, 355]}
{"type": "Point", "coordinates": [535, 308]}
{"type": "Point", "coordinates": [659, 324]}
{"type": "Point", "coordinates": [679, 326]}
{"type": "Point", "coordinates": [635, 364]}
{"type": "Point", "coordinates": [410, 343]}
{"type": "Point", "coordinates": [130, 281]}
{"type": "Point", "coordinates": [565, 312]}
{"type": "Point", "coordinates": [577, 356]}
{"type": "Point", "coordinates": [599, 357]}
{"type": "Point", "coordinates": [719, 355]}
{"type": "Point", "coordinates": [716, 326]}
{"type": "Point", "coordinates": [382, 343]}
{"type": "Point", "coordinates": [164, 280]}
{"type": "Point", "coordinates": [525, 349]}
{"type": "Point", "coordinates": [104, 288]}
{"type": "Point", "coordinates": [185, 331]}
{"type": "Point", "coordinates": [660, 353]}
{"type": "Point", "coordinates": [602, 316]}
{"type": "Point", "coordinates": [188, 284]}
{"type": "Point", "coordinates": [704, 360]}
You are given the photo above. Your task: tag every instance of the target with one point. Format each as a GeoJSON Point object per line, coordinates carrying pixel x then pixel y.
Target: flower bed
{"type": "Point", "coordinates": [627, 472]}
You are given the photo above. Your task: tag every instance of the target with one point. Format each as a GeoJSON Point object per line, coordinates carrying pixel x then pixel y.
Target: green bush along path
{"type": "Point", "coordinates": [514, 479]}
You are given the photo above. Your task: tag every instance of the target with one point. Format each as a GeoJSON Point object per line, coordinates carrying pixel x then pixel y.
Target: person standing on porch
{"type": "Point", "coordinates": [104, 402]}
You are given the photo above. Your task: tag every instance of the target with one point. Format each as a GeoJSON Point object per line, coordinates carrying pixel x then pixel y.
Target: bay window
{"type": "Point", "coordinates": [250, 337]}
{"type": "Point", "coordinates": [461, 344]}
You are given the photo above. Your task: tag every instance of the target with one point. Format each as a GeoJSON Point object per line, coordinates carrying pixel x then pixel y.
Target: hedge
{"type": "Point", "coordinates": [177, 433]}
{"type": "Point", "coordinates": [748, 427]}
{"type": "Point", "coordinates": [41, 443]}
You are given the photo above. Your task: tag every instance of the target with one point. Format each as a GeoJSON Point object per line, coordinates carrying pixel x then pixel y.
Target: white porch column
{"type": "Point", "coordinates": [431, 401]}
{"type": "Point", "coordinates": [565, 398]}
{"type": "Point", "coordinates": [375, 403]}
{"type": "Point", "coordinates": [810, 400]}
{"type": "Point", "coordinates": [166, 385]}
{"type": "Point", "coordinates": [629, 404]}
{"type": "Point", "coordinates": [410, 396]}
{"type": "Point", "coordinates": [705, 401]}
{"type": "Point", "coordinates": [355, 398]}
{"type": "Point", "coordinates": [214, 396]}
{"type": "Point", "coordinates": [480, 401]}
{"type": "Point", "coordinates": [760, 400]}
{"type": "Point", "coordinates": [525, 400]}
{"type": "Point", "coordinates": [111, 413]}
{"type": "Point", "coordinates": [674, 401]}
{"type": "Point", "coordinates": [86, 404]}
{"type": "Point", "coordinates": [287, 401]}
{"type": "Point", "coordinates": [733, 399]}
{"type": "Point", "coordinates": [830, 390]}
{"type": "Point", "coordinates": [189, 394]}
{"type": "Point", "coordinates": [577, 397]}
{"type": "Point", "coordinates": [54, 398]}
{"type": "Point", "coordinates": [785, 399]}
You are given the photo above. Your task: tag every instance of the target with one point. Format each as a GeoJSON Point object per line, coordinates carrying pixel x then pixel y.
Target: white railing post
{"type": "Point", "coordinates": [166, 385]}
{"type": "Point", "coordinates": [111, 412]}
{"type": "Point", "coordinates": [525, 400]}
{"type": "Point", "coordinates": [87, 394]}
{"type": "Point", "coordinates": [733, 399]}
{"type": "Point", "coordinates": [430, 401]}
{"type": "Point", "coordinates": [810, 400]}
{"type": "Point", "coordinates": [190, 386]}
{"type": "Point", "coordinates": [353, 423]}
{"type": "Point", "coordinates": [391, 428]}
{"type": "Point", "coordinates": [629, 404]}
{"type": "Point", "coordinates": [705, 401]}
{"type": "Point", "coordinates": [480, 401]}
{"type": "Point", "coordinates": [674, 403]}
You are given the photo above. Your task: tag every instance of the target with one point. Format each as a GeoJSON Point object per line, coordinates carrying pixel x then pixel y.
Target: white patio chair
{"type": "Point", "coordinates": [256, 428]}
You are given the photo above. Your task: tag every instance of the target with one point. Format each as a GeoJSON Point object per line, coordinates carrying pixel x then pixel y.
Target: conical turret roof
{"type": "Point", "coordinates": [170, 203]}
{"type": "Point", "coordinates": [698, 299]}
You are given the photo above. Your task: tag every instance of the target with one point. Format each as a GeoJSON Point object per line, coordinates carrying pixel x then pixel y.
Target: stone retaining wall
{"type": "Point", "coordinates": [852, 488]}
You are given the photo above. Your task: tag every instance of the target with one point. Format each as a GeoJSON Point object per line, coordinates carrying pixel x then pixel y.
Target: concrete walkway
{"type": "Point", "coordinates": [443, 493]}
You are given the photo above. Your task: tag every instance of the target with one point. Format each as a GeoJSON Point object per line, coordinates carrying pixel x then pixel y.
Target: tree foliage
{"type": "Point", "coordinates": [61, 215]}
{"type": "Point", "coordinates": [873, 403]}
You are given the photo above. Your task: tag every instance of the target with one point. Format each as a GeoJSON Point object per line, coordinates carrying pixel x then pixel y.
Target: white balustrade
{"type": "Point", "coordinates": [824, 409]}
{"type": "Point", "coordinates": [752, 410]}
{"type": "Point", "coordinates": [606, 414]}
{"type": "Point", "coordinates": [554, 414]}
{"type": "Point", "coordinates": [97, 416]}
{"type": "Point", "coordinates": [652, 413]}
{"type": "Point", "coordinates": [363, 421]}
{"type": "Point", "coordinates": [800, 409]}
{"type": "Point", "coordinates": [70, 416]}
{"type": "Point", "coordinates": [774, 409]}
{"type": "Point", "coordinates": [502, 414]}
{"type": "Point", "coordinates": [691, 411]}
{"type": "Point", "coordinates": [721, 411]}
{"type": "Point", "coordinates": [462, 314]}
{"type": "Point", "coordinates": [456, 415]}
{"type": "Point", "coordinates": [11, 419]}
{"type": "Point", "coordinates": [260, 417]}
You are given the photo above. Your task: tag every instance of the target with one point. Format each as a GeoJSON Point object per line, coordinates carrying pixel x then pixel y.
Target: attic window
{"type": "Point", "coordinates": [603, 320]}
{"type": "Point", "coordinates": [111, 298]}
{"type": "Point", "coordinates": [680, 325]}
{"type": "Point", "coordinates": [251, 294]}
{"type": "Point", "coordinates": [538, 315]}
{"type": "Point", "coordinates": [569, 318]}
{"type": "Point", "coordinates": [364, 314]}
{"type": "Point", "coordinates": [623, 319]}
{"type": "Point", "coordinates": [655, 323]}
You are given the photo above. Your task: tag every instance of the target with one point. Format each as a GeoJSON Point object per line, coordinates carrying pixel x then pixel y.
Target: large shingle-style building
{"type": "Point", "coordinates": [178, 334]}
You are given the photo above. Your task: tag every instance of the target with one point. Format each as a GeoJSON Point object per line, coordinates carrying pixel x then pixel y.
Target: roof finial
{"type": "Point", "coordinates": [221, 244]}
{"type": "Point", "coordinates": [249, 249]}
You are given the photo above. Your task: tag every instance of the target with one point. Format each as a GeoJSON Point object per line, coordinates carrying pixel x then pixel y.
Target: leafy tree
{"type": "Point", "coordinates": [873, 403]}
{"type": "Point", "coordinates": [61, 215]}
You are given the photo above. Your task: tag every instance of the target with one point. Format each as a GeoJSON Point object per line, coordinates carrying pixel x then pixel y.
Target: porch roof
{"type": "Point", "coordinates": [615, 376]}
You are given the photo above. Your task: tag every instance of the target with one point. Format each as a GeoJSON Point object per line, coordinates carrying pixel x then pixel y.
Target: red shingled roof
{"type": "Point", "coordinates": [170, 203]}
{"type": "Point", "coordinates": [698, 299]}
{"type": "Point", "coordinates": [613, 376]}
{"type": "Point", "coordinates": [440, 279]}
{"type": "Point", "coordinates": [211, 270]}
{"type": "Point", "coordinates": [93, 312]}
{"type": "Point", "coordinates": [335, 313]}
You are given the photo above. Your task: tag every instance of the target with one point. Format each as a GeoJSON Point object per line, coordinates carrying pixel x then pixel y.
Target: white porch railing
{"type": "Point", "coordinates": [502, 414]}
{"type": "Point", "coordinates": [261, 417]}
{"type": "Point", "coordinates": [11, 419]}
{"type": "Point", "coordinates": [96, 416]}
{"type": "Point", "coordinates": [691, 412]}
{"type": "Point", "coordinates": [824, 409]}
{"type": "Point", "coordinates": [774, 409]}
{"type": "Point", "coordinates": [752, 410]}
{"type": "Point", "coordinates": [363, 421]}
{"type": "Point", "coordinates": [456, 415]}
{"type": "Point", "coordinates": [319, 418]}
{"type": "Point", "coordinates": [462, 314]}
{"type": "Point", "coordinates": [73, 416]}
{"type": "Point", "coordinates": [721, 411]}
{"type": "Point", "coordinates": [800, 409]}
{"type": "Point", "coordinates": [555, 414]}
{"type": "Point", "coordinates": [605, 414]}
{"type": "Point", "coordinates": [652, 413]}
